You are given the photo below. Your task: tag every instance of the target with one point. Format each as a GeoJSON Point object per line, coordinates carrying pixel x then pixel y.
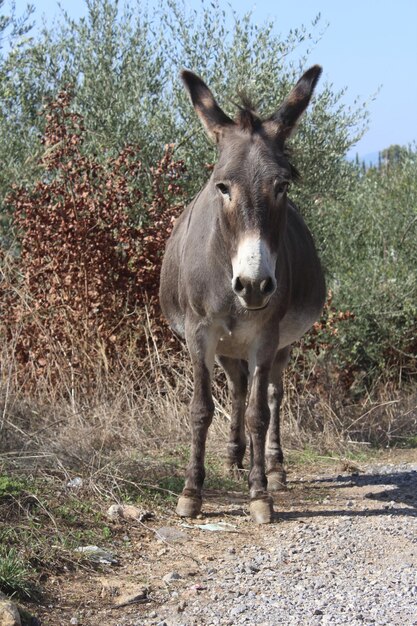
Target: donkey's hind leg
{"type": "Point", "coordinates": [237, 377]}
{"type": "Point", "coordinates": [274, 457]}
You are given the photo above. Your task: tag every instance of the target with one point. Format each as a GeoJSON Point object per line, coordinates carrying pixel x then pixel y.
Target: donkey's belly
{"type": "Point", "coordinates": [246, 334]}
{"type": "Point", "coordinates": [293, 326]}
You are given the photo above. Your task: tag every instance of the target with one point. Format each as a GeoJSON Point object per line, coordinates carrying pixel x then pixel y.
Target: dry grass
{"type": "Point", "coordinates": [320, 413]}
{"type": "Point", "coordinates": [140, 410]}
{"type": "Point", "coordinates": [82, 424]}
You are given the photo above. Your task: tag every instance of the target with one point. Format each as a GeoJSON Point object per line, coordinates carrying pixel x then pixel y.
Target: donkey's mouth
{"type": "Point", "coordinates": [255, 308]}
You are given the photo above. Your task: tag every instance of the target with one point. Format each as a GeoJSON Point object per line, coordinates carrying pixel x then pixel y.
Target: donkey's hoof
{"type": "Point", "coordinates": [188, 506]}
{"type": "Point", "coordinates": [261, 511]}
{"type": "Point", "coordinates": [277, 481]}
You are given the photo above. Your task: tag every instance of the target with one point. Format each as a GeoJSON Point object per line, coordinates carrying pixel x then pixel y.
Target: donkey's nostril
{"type": "Point", "coordinates": [238, 287]}
{"type": "Point", "coordinates": [267, 286]}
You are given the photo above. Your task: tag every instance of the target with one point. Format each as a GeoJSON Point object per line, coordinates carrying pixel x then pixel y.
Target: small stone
{"type": "Point", "coordinates": [74, 621]}
{"type": "Point", "coordinates": [75, 483]}
{"type": "Point", "coordinates": [170, 534]}
{"type": "Point", "coordinates": [128, 512]}
{"type": "Point", "coordinates": [171, 577]}
{"type": "Point", "coordinates": [318, 612]}
{"type": "Point", "coordinates": [9, 614]}
{"type": "Point", "coordinates": [114, 511]}
{"type": "Point", "coordinates": [238, 610]}
{"type": "Point", "coordinates": [251, 569]}
{"type": "Point", "coordinates": [97, 555]}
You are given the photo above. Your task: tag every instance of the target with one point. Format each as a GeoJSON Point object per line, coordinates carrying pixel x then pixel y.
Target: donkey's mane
{"type": "Point", "coordinates": [248, 119]}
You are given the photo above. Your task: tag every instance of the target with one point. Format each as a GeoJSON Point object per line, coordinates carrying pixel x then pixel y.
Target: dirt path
{"type": "Point", "coordinates": [342, 550]}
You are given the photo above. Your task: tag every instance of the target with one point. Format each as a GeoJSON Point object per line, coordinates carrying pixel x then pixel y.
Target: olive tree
{"type": "Point", "coordinates": [123, 66]}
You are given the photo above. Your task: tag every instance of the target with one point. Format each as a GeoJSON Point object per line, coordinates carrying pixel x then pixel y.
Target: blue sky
{"type": "Point", "coordinates": [368, 45]}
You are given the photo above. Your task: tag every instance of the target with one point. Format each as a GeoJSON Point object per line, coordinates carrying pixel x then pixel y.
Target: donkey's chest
{"type": "Point", "coordinates": [242, 337]}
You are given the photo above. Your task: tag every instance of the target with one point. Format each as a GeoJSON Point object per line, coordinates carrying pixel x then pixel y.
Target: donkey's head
{"type": "Point", "coordinates": [250, 182]}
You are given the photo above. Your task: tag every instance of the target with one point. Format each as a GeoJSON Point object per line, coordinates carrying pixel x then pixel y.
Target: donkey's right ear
{"type": "Point", "coordinates": [214, 120]}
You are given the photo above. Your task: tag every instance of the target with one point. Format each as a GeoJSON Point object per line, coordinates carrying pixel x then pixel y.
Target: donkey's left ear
{"type": "Point", "coordinates": [213, 118]}
{"type": "Point", "coordinates": [282, 123]}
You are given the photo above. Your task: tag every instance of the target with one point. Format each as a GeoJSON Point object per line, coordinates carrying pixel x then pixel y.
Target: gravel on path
{"type": "Point", "coordinates": [347, 557]}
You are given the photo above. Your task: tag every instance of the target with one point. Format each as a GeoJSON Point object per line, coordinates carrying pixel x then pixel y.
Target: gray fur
{"type": "Point", "coordinates": [248, 321]}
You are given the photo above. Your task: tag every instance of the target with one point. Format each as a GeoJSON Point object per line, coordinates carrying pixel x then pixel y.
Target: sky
{"type": "Point", "coordinates": [369, 47]}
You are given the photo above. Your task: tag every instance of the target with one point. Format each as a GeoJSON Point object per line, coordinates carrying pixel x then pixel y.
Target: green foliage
{"type": "Point", "coordinates": [115, 62]}
{"type": "Point", "coordinates": [254, 59]}
{"type": "Point", "coordinates": [369, 247]}
{"type": "Point", "coordinates": [18, 97]}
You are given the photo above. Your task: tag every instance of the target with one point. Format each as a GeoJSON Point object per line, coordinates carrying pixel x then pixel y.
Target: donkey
{"type": "Point", "coordinates": [241, 281]}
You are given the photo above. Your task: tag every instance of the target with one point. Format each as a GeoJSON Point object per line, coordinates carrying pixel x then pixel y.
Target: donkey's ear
{"type": "Point", "coordinates": [283, 122]}
{"type": "Point", "coordinates": [214, 120]}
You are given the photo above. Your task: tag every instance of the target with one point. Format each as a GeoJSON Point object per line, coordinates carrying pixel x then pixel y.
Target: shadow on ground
{"type": "Point", "coordinates": [398, 496]}
{"type": "Point", "coordinates": [401, 488]}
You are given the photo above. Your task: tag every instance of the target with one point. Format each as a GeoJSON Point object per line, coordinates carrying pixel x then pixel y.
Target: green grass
{"type": "Point", "coordinates": [16, 577]}
{"type": "Point", "coordinates": [309, 456]}
{"type": "Point", "coordinates": [165, 479]}
{"type": "Point", "coordinates": [218, 478]}
{"type": "Point", "coordinates": [11, 487]}
{"type": "Point", "coordinates": [42, 524]}
{"type": "Point", "coordinates": [405, 442]}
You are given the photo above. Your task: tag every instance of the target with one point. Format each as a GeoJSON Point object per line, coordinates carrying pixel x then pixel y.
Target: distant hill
{"type": "Point", "coordinates": [370, 159]}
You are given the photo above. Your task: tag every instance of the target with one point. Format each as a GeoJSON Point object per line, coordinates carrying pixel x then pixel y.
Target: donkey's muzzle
{"type": "Point", "coordinates": [254, 294]}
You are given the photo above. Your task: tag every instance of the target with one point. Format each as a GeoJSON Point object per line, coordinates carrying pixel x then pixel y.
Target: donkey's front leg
{"type": "Point", "coordinates": [274, 456]}
{"type": "Point", "coordinates": [257, 418]}
{"type": "Point", "coordinates": [201, 344]}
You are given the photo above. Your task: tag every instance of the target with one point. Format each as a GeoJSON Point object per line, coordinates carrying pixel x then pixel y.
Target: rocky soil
{"type": "Point", "coordinates": [342, 550]}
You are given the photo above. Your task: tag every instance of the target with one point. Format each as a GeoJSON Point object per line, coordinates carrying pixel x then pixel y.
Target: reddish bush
{"type": "Point", "coordinates": [89, 245]}
{"type": "Point", "coordinates": [323, 332]}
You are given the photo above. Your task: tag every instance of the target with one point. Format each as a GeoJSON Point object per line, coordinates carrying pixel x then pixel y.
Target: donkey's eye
{"type": "Point", "coordinates": [281, 186]}
{"type": "Point", "coordinates": [224, 189]}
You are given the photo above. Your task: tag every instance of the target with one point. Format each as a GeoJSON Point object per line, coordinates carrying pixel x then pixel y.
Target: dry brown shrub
{"type": "Point", "coordinates": [87, 254]}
